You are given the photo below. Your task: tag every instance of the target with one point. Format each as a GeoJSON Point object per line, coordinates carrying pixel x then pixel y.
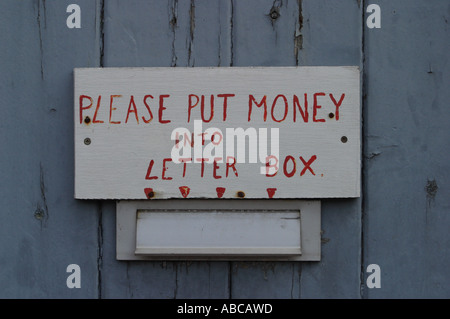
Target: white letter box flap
{"type": "Point", "coordinates": [218, 232]}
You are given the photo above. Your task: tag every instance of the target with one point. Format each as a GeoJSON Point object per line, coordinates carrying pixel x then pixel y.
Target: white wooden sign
{"type": "Point", "coordinates": [263, 132]}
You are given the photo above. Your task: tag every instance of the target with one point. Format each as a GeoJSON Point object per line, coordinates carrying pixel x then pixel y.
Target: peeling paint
{"type": "Point", "coordinates": [130, 289]}
{"type": "Point", "coordinates": [373, 155]}
{"type": "Point", "coordinates": [102, 33]}
{"type": "Point", "coordinates": [219, 37]}
{"type": "Point", "coordinates": [292, 281]}
{"type": "Point", "coordinates": [173, 20]}
{"type": "Point", "coordinates": [40, 34]}
{"type": "Point", "coordinates": [323, 240]}
{"type": "Point", "coordinates": [41, 212]}
{"type": "Point", "coordinates": [173, 14]}
{"type": "Point", "coordinates": [298, 36]}
{"type": "Point", "coordinates": [175, 291]}
{"type": "Point", "coordinates": [230, 279]}
{"type": "Point", "coordinates": [209, 278]}
{"type": "Point", "coordinates": [191, 32]}
{"type": "Point", "coordinates": [300, 271]}
{"type": "Point", "coordinates": [232, 34]}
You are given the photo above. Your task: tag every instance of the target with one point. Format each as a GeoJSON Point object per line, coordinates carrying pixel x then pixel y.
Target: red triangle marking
{"type": "Point", "coordinates": [184, 191]}
{"type": "Point", "coordinates": [220, 191]}
{"type": "Point", "coordinates": [147, 191]}
{"type": "Point", "coordinates": [271, 192]}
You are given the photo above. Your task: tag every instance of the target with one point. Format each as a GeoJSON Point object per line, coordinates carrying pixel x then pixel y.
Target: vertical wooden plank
{"type": "Point", "coordinates": [163, 33]}
{"type": "Point", "coordinates": [263, 35]}
{"type": "Point", "coordinates": [43, 228]}
{"type": "Point", "coordinates": [304, 33]}
{"type": "Point", "coordinates": [210, 36]}
{"type": "Point", "coordinates": [406, 155]}
{"type": "Point", "coordinates": [266, 280]}
{"type": "Point", "coordinates": [331, 32]}
{"type": "Point", "coordinates": [264, 32]}
{"type": "Point", "coordinates": [137, 33]}
{"type": "Point", "coordinates": [201, 280]}
{"type": "Point", "coordinates": [332, 35]}
{"type": "Point", "coordinates": [141, 30]}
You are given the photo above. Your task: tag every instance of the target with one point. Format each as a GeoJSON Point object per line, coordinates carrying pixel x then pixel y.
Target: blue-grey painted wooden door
{"type": "Point", "coordinates": [400, 223]}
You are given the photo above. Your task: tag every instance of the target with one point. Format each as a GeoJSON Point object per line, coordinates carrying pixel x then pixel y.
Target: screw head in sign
{"type": "Point", "coordinates": [87, 141]}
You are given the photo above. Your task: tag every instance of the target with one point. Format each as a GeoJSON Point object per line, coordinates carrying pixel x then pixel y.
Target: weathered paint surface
{"type": "Point", "coordinates": [43, 228]}
{"type": "Point", "coordinates": [401, 222]}
{"type": "Point", "coordinates": [407, 171]}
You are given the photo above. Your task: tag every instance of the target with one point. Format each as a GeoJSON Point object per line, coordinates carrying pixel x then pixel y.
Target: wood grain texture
{"type": "Point", "coordinates": [43, 229]}
{"type": "Point", "coordinates": [406, 152]}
